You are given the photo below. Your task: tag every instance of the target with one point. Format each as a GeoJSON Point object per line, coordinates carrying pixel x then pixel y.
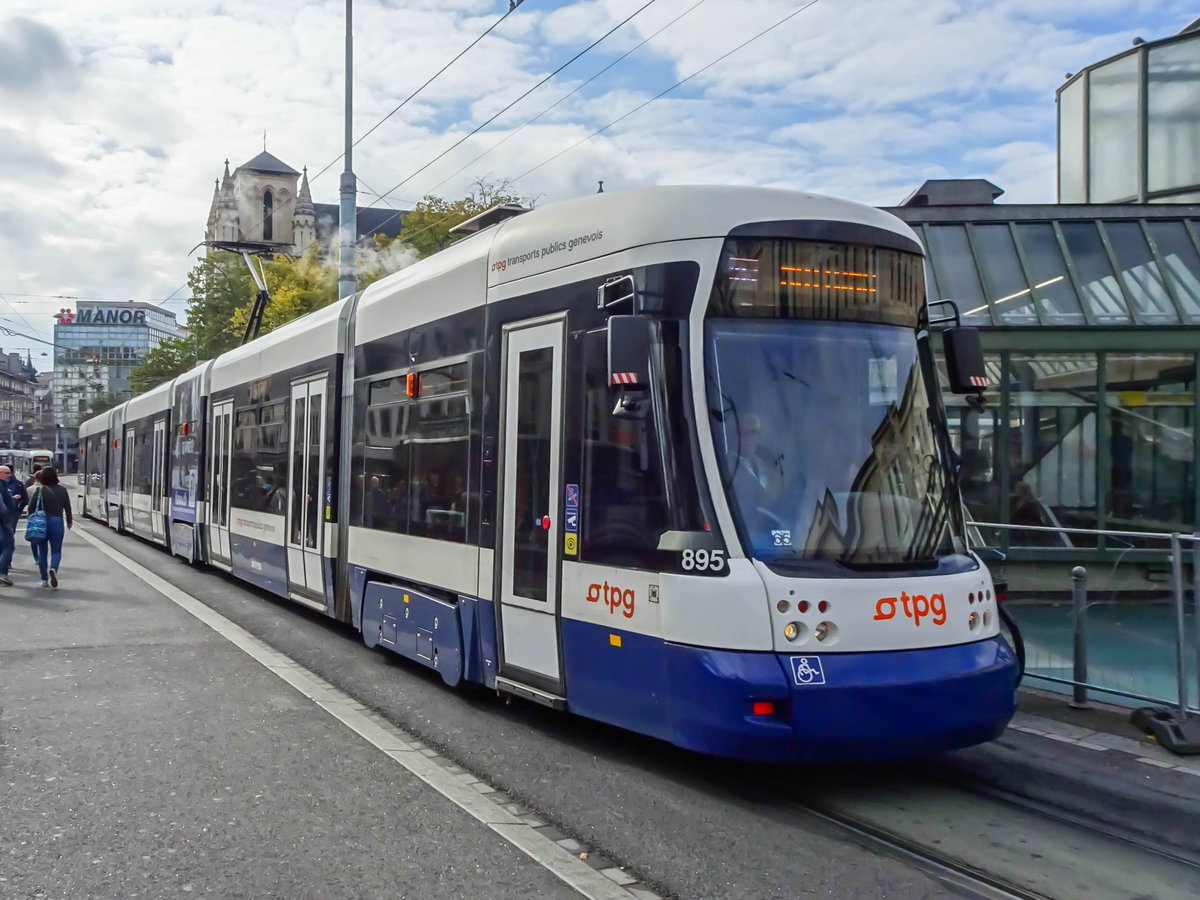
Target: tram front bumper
{"type": "Point", "coordinates": [831, 707]}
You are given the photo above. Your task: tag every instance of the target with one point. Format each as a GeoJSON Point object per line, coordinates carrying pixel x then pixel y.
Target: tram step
{"type": "Point", "coordinates": [537, 695]}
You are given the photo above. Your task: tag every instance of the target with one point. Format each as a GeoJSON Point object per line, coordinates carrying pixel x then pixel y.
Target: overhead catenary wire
{"type": "Point", "coordinates": [511, 9]}
{"type": "Point", "coordinates": [514, 5]}
{"type": "Point", "coordinates": [666, 91]}
{"type": "Point", "coordinates": [497, 115]}
{"type": "Point", "coordinates": [560, 100]}
{"type": "Point", "coordinates": [641, 106]}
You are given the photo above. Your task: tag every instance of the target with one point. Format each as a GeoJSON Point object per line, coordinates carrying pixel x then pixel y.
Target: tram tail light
{"type": "Point", "coordinates": [764, 707]}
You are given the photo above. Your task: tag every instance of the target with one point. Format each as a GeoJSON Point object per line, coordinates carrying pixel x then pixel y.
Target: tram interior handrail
{"type": "Point", "coordinates": [1158, 535]}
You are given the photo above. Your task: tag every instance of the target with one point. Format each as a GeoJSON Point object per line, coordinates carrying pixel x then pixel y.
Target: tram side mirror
{"type": "Point", "coordinates": [629, 343]}
{"type": "Point", "coordinates": [964, 360]}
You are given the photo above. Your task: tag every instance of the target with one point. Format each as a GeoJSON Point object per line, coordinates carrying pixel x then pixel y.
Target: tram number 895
{"type": "Point", "coordinates": [702, 561]}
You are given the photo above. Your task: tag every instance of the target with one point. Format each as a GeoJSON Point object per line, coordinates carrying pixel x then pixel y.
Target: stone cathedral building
{"type": "Point", "coordinates": [267, 201]}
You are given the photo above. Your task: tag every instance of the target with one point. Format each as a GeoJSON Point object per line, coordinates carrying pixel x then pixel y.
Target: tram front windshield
{"type": "Point", "coordinates": [821, 408]}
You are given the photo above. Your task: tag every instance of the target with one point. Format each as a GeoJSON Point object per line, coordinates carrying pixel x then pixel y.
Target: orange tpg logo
{"type": "Point", "coordinates": [916, 607]}
{"type": "Point", "coordinates": [616, 599]}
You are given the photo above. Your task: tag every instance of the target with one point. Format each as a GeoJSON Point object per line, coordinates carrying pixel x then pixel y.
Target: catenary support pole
{"type": "Point", "coordinates": [348, 213]}
{"type": "Point", "coordinates": [1180, 624]}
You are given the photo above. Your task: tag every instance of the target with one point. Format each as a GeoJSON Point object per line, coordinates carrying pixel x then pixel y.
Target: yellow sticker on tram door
{"type": "Point", "coordinates": [570, 544]}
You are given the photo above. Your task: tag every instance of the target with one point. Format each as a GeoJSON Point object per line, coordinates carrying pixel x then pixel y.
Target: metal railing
{"type": "Point", "coordinates": [1079, 681]}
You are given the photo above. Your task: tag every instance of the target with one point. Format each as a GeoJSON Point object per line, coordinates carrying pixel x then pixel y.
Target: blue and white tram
{"type": "Point", "coordinates": [673, 459]}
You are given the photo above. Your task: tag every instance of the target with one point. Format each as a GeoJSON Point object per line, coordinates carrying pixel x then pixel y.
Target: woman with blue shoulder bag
{"type": "Point", "coordinates": [49, 509]}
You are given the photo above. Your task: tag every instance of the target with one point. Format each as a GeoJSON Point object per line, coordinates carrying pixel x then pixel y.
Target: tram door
{"type": "Point", "coordinates": [219, 480]}
{"type": "Point", "coordinates": [531, 503]}
{"type": "Point", "coordinates": [127, 485]}
{"type": "Point", "coordinates": [157, 481]}
{"type": "Point", "coordinates": [307, 501]}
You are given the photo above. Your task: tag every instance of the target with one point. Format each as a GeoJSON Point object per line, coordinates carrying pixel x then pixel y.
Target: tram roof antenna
{"type": "Point", "coordinates": [488, 218]}
{"type": "Point", "coordinates": [248, 249]}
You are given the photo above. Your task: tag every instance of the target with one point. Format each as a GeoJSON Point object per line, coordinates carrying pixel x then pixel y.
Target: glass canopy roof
{"type": "Point", "coordinates": [1017, 265]}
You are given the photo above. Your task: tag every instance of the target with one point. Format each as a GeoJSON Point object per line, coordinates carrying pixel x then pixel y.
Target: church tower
{"type": "Point", "coordinates": [265, 188]}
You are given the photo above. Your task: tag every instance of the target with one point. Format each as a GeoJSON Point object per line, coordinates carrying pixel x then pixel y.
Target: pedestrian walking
{"type": "Point", "coordinates": [50, 506]}
{"type": "Point", "coordinates": [16, 488]}
{"type": "Point", "coordinates": [9, 512]}
{"type": "Point", "coordinates": [35, 477]}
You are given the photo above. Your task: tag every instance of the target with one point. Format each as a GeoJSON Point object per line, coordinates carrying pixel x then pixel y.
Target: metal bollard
{"type": "Point", "coordinates": [1079, 698]}
{"type": "Point", "coordinates": [1180, 626]}
{"type": "Point", "coordinates": [1196, 605]}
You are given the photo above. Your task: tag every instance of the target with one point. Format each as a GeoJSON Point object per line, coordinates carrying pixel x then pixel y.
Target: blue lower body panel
{"type": "Point", "coordinates": [840, 707]}
{"type": "Point", "coordinates": [423, 628]}
{"type": "Point", "coordinates": [259, 562]}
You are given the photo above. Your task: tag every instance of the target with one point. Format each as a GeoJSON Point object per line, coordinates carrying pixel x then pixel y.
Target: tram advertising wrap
{"type": "Point", "coordinates": [673, 459]}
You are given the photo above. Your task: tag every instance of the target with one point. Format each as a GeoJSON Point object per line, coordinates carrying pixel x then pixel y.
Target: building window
{"type": "Point", "coordinates": [268, 204]}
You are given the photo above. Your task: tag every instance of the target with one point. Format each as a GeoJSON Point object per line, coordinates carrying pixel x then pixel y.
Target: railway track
{"type": "Point", "coordinates": [986, 842]}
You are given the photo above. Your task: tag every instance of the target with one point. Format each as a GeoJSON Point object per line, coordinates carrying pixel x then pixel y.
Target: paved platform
{"type": "Point", "coordinates": [155, 740]}
{"type": "Point", "coordinates": [144, 755]}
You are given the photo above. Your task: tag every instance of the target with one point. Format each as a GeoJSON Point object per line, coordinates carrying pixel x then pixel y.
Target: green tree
{"type": "Point", "coordinates": [427, 227]}
{"type": "Point", "coordinates": [172, 357]}
{"type": "Point", "coordinates": [297, 287]}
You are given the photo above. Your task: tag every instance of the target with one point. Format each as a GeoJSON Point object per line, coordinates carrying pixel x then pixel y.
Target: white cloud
{"type": "Point", "coordinates": [117, 119]}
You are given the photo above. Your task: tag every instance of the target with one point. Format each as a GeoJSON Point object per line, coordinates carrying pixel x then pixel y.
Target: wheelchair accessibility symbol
{"type": "Point", "coordinates": [807, 670]}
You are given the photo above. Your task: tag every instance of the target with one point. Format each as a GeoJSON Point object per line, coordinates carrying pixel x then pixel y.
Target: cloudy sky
{"type": "Point", "coordinates": [115, 117]}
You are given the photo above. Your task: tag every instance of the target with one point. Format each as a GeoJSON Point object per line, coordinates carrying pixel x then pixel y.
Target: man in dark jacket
{"type": "Point", "coordinates": [9, 512]}
{"type": "Point", "coordinates": [20, 493]}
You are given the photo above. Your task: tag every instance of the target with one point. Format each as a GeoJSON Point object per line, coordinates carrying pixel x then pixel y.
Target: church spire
{"type": "Point", "coordinates": [304, 202]}
{"type": "Point", "coordinates": [212, 210]}
{"type": "Point", "coordinates": [227, 199]}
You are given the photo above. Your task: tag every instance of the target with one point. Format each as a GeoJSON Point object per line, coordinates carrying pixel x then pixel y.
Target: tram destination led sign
{"type": "Point", "coordinates": [103, 315]}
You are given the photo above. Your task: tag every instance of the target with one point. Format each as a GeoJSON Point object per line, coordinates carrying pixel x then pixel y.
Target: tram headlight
{"type": "Point", "coordinates": [826, 632]}
{"type": "Point", "coordinates": [973, 621]}
{"type": "Point", "coordinates": [792, 630]}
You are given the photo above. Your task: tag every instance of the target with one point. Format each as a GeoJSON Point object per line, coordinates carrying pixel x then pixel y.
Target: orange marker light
{"type": "Point", "coordinates": [412, 385]}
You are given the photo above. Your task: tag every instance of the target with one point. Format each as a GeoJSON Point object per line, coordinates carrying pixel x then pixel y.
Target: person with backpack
{"type": "Point", "coordinates": [49, 518]}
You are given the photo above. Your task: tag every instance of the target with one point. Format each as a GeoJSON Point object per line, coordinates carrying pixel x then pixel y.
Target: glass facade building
{"type": "Point", "coordinates": [1090, 320]}
{"type": "Point", "coordinates": [96, 347]}
{"type": "Point", "coordinates": [1129, 126]}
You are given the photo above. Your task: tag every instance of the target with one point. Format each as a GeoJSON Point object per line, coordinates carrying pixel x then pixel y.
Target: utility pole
{"type": "Point", "coordinates": [348, 215]}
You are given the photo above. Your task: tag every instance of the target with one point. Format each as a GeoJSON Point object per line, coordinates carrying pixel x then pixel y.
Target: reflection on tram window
{"type": "Point", "coordinates": [258, 472]}
{"type": "Point", "coordinates": [415, 459]}
{"type": "Point", "coordinates": [626, 511]}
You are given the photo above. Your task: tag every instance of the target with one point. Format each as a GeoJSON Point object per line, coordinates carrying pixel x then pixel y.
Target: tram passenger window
{"type": "Point", "coordinates": [143, 460]}
{"type": "Point", "coordinates": [415, 457]}
{"type": "Point", "coordinates": [624, 502]}
{"type": "Point", "coordinates": [258, 472]}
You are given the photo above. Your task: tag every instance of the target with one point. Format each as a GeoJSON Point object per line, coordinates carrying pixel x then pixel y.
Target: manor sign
{"type": "Point", "coordinates": [103, 315]}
